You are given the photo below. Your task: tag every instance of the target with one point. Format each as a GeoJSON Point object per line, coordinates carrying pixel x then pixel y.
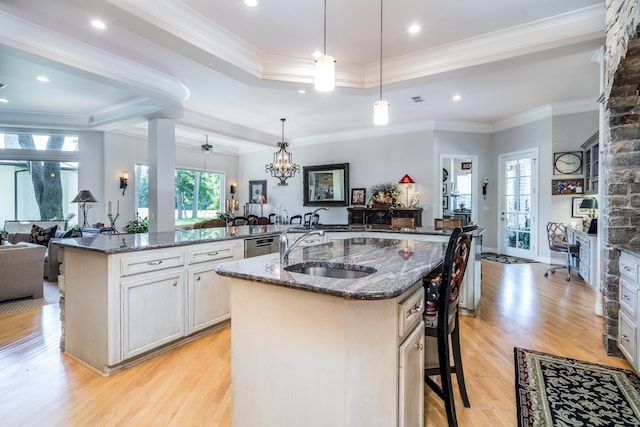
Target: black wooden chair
{"type": "Point", "coordinates": [559, 242]}
{"type": "Point", "coordinates": [272, 218]}
{"type": "Point", "coordinates": [296, 219]}
{"type": "Point", "coordinates": [441, 321]}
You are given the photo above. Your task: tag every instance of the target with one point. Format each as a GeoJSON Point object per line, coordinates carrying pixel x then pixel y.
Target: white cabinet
{"type": "Point", "coordinates": [152, 312]}
{"type": "Point", "coordinates": [629, 291]}
{"type": "Point", "coordinates": [587, 261]}
{"type": "Point", "coordinates": [208, 292]}
{"type": "Point", "coordinates": [122, 306]}
{"type": "Point", "coordinates": [411, 379]}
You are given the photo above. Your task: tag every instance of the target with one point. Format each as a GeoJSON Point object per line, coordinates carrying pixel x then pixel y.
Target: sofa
{"type": "Point", "coordinates": [20, 232]}
{"type": "Point", "coordinates": [21, 265]}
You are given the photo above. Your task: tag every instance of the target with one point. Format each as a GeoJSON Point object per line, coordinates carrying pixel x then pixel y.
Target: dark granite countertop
{"type": "Point", "coordinates": [633, 249]}
{"type": "Point", "coordinates": [120, 243]}
{"type": "Point", "coordinates": [399, 265]}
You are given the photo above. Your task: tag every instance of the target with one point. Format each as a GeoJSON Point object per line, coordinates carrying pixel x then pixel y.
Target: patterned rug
{"type": "Point", "coordinates": [51, 296]}
{"type": "Point", "coordinates": [505, 259]}
{"type": "Point", "coordinates": [555, 391]}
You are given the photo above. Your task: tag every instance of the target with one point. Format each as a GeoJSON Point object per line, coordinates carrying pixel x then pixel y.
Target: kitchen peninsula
{"type": "Point", "coordinates": [126, 297]}
{"type": "Point", "coordinates": [315, 350]}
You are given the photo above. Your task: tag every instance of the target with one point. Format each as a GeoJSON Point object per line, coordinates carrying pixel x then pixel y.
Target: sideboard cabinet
{"type": "Point", "coordinates": [382, 216]}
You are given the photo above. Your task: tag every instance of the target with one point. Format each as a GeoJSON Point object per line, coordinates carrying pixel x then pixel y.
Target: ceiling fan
{"type": "Point", "coordinates": [206, 147]}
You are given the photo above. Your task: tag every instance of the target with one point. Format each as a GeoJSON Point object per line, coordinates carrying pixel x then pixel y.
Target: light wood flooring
{"type": "Point", "coordinates": [191, 385]}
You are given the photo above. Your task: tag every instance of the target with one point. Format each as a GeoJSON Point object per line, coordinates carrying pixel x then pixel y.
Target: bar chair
{"type": "Point", "coordinates": [441, 321]}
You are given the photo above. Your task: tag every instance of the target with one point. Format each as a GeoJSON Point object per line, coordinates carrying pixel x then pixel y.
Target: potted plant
{"type": "Point", "coordinates": [137, 225]}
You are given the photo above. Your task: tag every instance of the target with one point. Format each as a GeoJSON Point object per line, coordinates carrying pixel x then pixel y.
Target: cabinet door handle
{"type": "Point", "coordinates": [198, 278]}
{"type": "Point", "coordinates": [416, 309]}
{"type": "Point", "coordinates": [158, 262]}
{"type": "Point", "coordinates": [626, 297]}
{"type": "Point", "coordinates": [175, 283]}
{"type": "Point", "coordinates": [309, 241]}
{"type": "Point", "coordinates": [625, 338]}
{"type": "Point", "coordinates": [626, 268]}
{"type": "Point", "coordinates": [212, 253]}
{"type": "Point", "coordinates": [419, 346]}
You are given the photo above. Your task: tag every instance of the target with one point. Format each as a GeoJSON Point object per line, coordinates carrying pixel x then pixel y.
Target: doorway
{"type": "Point", "coordinates": [458, 198]}
{"type": "Point", "coordinates": [518, 203]}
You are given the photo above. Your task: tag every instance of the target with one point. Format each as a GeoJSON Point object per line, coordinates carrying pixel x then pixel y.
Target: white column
{"type": "Point", "coordinates": [162, 164]}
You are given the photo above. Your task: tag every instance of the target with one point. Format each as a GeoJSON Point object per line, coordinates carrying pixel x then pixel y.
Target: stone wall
{"type": "Point", "coordinates": [620, 154]}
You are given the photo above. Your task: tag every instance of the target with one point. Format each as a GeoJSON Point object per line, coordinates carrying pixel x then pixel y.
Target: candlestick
{"type": "Point", "coordinates": [109, 208]}
{"type": "Point", "coordinates": [113, 219]}
{"type": "Point", "coordinates": [118, 208]}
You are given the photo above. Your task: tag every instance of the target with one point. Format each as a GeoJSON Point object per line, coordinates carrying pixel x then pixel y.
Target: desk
{"type": "Point", "coordinates": [587, 263]}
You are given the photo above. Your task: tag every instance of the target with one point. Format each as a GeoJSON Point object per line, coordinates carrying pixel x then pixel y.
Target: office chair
{"type": "Point", "coordinates": [558, 242]}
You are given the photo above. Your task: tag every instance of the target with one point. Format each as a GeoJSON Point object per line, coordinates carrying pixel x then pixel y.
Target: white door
{"type": "Point", "coordinates": [518, 203]}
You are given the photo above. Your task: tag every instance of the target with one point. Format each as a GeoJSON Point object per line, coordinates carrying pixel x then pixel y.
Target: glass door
{"type": "Point", "coordinates": [518, 204]}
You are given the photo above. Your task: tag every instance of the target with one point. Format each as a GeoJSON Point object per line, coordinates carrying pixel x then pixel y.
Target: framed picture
{"type": "Point", "coordinates": [444, 188]}
{"type": "Point", "coordinates": [445, 202]}
{"type": "Point", "coordinates": [257, 189]}
{"type": "Point", "coordinates": [358, 196]}
{"type": "Point", "coordinates": [576, 212]}
{"type": "Point", "coordinates": [415, 200]}
{"type": "Point", "coordinates": [466, 166]}
{"type": "Point", "coordinates": [567, 186]}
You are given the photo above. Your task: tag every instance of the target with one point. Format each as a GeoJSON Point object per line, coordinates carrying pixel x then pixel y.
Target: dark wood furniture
{"type": "Point", "coordinates": [373, 216]}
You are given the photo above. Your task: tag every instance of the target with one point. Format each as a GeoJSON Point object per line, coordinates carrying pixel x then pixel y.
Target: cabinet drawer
{"type": "Point", "coordinates": [627, 337]}
{"type": "Point", "coordinates": [210, 252]}
{"type": "Point", "coordinates": [150, 262]}
{"type": "Point", "coordinates": [629, 268]}
{"type": "Point", "coordinates": [410, 312]}
{"type": "Point", "coordinates": [628, 298]}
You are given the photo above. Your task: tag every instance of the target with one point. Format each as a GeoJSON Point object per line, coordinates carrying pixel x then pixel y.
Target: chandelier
{"type": "Point", "coordinates": [282, 167]}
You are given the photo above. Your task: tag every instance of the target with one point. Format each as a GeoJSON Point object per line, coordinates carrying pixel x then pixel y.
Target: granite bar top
{"type": "Point", "coordinates": [119, 243]}
{"type": "Point", "coordinates": [399, 264]}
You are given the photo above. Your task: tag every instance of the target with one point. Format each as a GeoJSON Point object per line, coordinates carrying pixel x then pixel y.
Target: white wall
{"type": "Point", "coordinates": [371, 161]}
{"type": "Point", "coordinates": [91, 171]}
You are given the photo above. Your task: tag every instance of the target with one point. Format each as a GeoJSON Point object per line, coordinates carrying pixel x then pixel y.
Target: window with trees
{"type": "Point", "coordinates": [198, 195]}
{"type": "Point", "coordinates": [40, 176]}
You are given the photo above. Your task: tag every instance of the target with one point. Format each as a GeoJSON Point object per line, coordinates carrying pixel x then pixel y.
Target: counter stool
{"type": "Point", "coordinates": [441, 320]}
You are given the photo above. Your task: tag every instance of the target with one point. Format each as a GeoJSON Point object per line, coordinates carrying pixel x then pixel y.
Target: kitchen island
{"type": "Point", "coordinates": [321, 351]}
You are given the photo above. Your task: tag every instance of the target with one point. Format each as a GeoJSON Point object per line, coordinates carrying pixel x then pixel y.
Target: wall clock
{"type": "Point", "coordinates": [569, 163]}
{"type": "Point", "coordinates": [445, 175]}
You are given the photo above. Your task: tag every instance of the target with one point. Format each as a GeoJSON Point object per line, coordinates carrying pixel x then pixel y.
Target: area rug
{"type": "Point", "coordinates": [51, 296]}
{"type": "Point", "coordinates": [505, 259]}
{"type": "Point", "coordinates": [555, 391]}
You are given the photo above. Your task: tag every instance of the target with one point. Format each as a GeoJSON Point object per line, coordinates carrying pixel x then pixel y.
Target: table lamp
{"type": "Point", "coordinates": [591, 204]}
{"type": "Point", "coordinates": [84, 197]}
{"type": "Point", "coordinates": [407, 181]}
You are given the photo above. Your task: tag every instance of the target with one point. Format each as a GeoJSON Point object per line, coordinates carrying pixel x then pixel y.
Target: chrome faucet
{"type": "Point", "coordinates": [312, 222]}
{"type": "Point", "coordinates": [285, 248]}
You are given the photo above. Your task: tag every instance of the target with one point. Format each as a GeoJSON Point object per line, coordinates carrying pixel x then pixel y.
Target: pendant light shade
{"type": "Point", "coordinates": [325, 77]}
{"type": "Point", "coordinates": [380, 107]}
{"type": "Point", "coordinates": [282, 167]}
{"type": "Point", "coordinates": [325, 80]}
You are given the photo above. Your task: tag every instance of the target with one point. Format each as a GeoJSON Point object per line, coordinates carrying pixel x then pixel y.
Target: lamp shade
{"type": "Point", "coordinates": [380, 112]}
{"type": "Point", "coordinates": [84, 196]}
{"type": "Point", "coordinates": [589, 203]}
{"type": "Point", "coordinates": [325, 79]}
{"type": "Point", "coordinates": [406, 180]}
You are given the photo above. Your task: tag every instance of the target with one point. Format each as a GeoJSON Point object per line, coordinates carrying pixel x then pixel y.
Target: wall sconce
{"type": "Point", "coordinates": [232, 190]}
{"type": "Point", "coordinates": [484, 187]}
{"type": "Point", "coordinates": [124, 181]}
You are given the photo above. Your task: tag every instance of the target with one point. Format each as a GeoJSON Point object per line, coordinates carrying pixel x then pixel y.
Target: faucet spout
{"type": "Point", "coordinates": [286, 248]}
{"type": "Point", "coordinates": [313, 221]}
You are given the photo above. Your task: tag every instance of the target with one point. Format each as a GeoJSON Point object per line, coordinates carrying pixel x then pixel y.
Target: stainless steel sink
{"type": "Point", "coordinates": [334, 271]}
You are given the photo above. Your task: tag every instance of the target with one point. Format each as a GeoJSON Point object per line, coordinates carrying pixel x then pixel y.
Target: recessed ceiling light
{"type": "Point", "coordinates": [456, 97]}
{"type": "Point", "coordinates": [251, 3]}
{"type": "Point", "coordinates": [302, 91]}
{"type": "Point", "coordinates": [4, 100]}
{"type": "Point", "coordinates": [96, 23]}
{"type": "Point", "coordinates": [415, 28]}
{"type": "Point", "coordinates": [42, 79]}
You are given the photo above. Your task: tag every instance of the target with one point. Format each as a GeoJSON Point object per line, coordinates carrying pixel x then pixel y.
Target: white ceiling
{"type": "Point", "coordinates": [229, 71]}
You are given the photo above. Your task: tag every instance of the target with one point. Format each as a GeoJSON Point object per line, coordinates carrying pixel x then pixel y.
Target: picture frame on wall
{"type": "Point", "coordinates": [466, 166]}
{"type": "Point", "coordinates": [358, 196]}
{"type": "Point", "coordinates": [257, 188]}
{"type": "Point", "coordinates": [444, 188]}
{"type": "Point", "coordinates": [445, 202]}
{"type": "Point", "coordinates": [567, 186]}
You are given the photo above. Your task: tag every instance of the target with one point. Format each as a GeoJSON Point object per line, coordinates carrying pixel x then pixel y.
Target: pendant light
{"type": "Point", "coordinates": [282, 167]}
{"type": "Point", "coordinates": [380, 107]}
{"type": "Point", "coordinates": [325, 78]}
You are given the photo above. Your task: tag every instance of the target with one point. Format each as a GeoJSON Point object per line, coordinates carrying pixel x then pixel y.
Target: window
{"type": "Point", "coordinates": [39, 180]}
{"type": "Point", "coordinates": [198, 195]}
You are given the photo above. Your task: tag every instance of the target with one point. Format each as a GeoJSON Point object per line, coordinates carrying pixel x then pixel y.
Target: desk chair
{"type": "Point", "coordinates": [441, 321]}
{"type": "Point", "coordinates": [559, 242]}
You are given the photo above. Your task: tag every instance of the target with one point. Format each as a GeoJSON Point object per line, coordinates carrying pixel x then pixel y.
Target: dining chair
{"type": "Point", "coordinates": [296, 219]}
{"type": "Point", "coordinates": [263, 220]}
{"type": "Point", "coordinates": [559, 242]}
{"type": "Point", "coordinates": [252, 219]}
{"type": "Point", "coordinates": [211, 223]}
{"type": "Point", "coordinates": [272, 218]}
{"type": "Point", "coordinates": [240, 220]}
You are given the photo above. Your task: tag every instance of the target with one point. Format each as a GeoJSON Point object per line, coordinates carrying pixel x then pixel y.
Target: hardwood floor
{"type": "Point", "coordinates": [191, 385]}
